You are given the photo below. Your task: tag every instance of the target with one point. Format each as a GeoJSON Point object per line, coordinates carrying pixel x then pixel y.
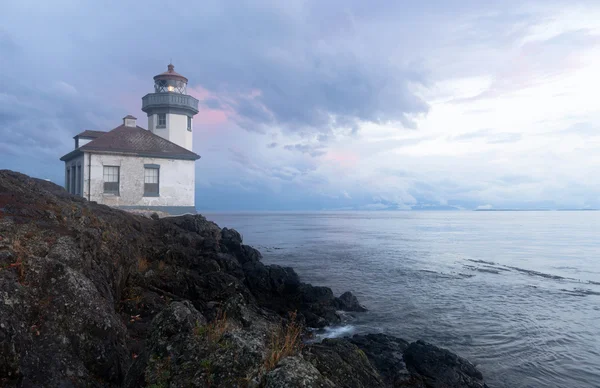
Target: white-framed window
{"type": "Point", "coordinates": [162, 120]}
{"type": "Point", "coordinates": [111, 180]}
{"type": "Point", "coordinates": [189, 127]}
{"type": "Point", "coordinates": [151, 180]}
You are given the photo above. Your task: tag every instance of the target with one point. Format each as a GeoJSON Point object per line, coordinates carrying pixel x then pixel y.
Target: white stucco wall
{"type": "Point", "coordinates": [178, 132]}
{"type": "Point", "coordinates": [83, 141]}
{"type": "Point", "coordinates": [151, 121]}
{"type": "Point", "coordinates": [175, 131]}
{"type": "Point", "coordinates": [176, 181]}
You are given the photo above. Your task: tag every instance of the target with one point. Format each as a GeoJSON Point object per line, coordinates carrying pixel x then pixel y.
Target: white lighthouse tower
{"type": "Point", "coordinates": [170, 110]}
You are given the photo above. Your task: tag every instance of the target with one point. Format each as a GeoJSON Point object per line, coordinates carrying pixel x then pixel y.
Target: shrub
{"type": "Point", "coordinates": [285, 341]}
{"type": "Point", "coordinates": [214, 330]}
{"type": "Point", "coordinates": [142, 264]}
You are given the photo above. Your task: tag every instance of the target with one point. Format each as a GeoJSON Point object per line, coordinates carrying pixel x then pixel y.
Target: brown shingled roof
{"type": "Point", "coordinates": [90, 134]}
{"type": "Point", "coordinates": [170, 74]}
{"type": "Point", "coordinates": [134, 141]}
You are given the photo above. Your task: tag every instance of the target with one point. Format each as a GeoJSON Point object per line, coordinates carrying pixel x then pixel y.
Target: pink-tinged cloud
{"type": "Point", "coordinates": [227, 102]}
{"type": "Point", "coordinates": [346, 159]}
{"type": "Point", "coordinates": [206, 115]}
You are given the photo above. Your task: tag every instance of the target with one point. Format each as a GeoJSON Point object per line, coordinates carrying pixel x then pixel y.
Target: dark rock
{"type": "Point", "coordinates": [343, 363]}
{"type": "Point", "coordinates": [316, 294]}
{"type": "Point", "coordinates": [348, 302]}
{"type": "Point", "coordinates": [441, 368]}
{"type": "Point", "coordinates": [184, 350]}
{"type": "Point", "coordinates": [296, 372]}
{"type": "Point", "coordinates": [231, 237]}
{"type": "Point", "coordinates": [230, 265]}
{"type": "Point", "coordinates": [313, 320]}
{"type": "Point", "coordinates": [385, 353]}
{"type": "Point", "coordinates": [154, 216]}
{"type": "Point", "coordinates": [270, 280]}
{"type": "Point", "coordinates": [284, 280]}
{"type": "Point", "coordinates": [249, 254]}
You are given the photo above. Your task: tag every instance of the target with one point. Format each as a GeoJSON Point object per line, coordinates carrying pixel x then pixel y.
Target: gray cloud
{"type": "Point", "coordinates": [307, 74]}
{"type": "Point", "coordinates": [285, 67]}
{"type": "Point", "coordinates": [304, 79]}
{"type": "Point", "coordinates": [212, 103]}
{"type": "Point", "coordinates": [310, 149]}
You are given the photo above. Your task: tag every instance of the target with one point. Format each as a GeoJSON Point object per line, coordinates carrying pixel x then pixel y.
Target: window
{"type": "Point", "coordinates": [79, 179]}
{"type": "Point", "coordinates": [68, 180]}
{"type": "Point", "coordinates": [189, 128]}
{"type": "Point", "coordinates": [111, 180]}
{"type": "Point", "coordinates": [73, 180]}
{"type": "Point", "coordinates": [162, 120]}
{"type": "Point", "coordinates": [151, 179]}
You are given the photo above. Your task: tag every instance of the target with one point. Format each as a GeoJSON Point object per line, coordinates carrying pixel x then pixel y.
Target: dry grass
{"type": "Point", "coordinates": [142, 264]}
{"type": "Point", "coordinates": [214, 330]}
{"type": "Point", "coordinates": [21, 252]}
{"type": "Point", "coordinates": [285, 341]}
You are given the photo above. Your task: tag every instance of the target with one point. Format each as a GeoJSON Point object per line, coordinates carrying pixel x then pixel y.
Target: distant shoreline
{"type": "Point", "coordinates": [535, 210]}
{"type": "Point", "coordinates": [209, 211]}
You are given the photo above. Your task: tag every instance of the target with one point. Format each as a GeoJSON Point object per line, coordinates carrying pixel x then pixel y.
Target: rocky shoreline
{"type": "Point", "coordinates": [92, 296]}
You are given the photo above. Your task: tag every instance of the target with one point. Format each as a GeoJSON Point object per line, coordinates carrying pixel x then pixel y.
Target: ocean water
{"type": "Point", "coordinates": [516, 293]}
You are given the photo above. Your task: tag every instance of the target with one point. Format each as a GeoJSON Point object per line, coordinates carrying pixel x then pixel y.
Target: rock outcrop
{"type": "Point", "coordinates": [97, 297]}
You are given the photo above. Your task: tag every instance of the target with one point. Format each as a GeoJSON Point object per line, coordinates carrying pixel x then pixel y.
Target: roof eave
{"type": "Point", "coordinates": [141, 154]}
{"type": "Point", "coordinates": [71, 155]}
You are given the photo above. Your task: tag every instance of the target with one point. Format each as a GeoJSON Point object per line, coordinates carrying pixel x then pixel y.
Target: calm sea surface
{"type": "Point", "coordinates": [517, 293]}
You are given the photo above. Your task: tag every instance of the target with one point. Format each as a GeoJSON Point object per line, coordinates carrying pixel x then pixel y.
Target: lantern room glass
{"type": "Point", "coordinates": [170, 86]}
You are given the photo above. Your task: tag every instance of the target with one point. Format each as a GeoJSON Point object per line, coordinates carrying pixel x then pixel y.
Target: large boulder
{"type": "Point", "coordinates": [386, 354]}
{"type": "Point", "coordinates": [348, 302]}
{"type": "Point", "coordinates": [64, 266]}
{"type": "Point", "coordinates": [441, 368]}
{"type": "Point", "coordinates": [344, 364]}
{"type": "Point", "coordinates": [296, 372]}
{"type": "Point", "coordinates": [185, 350]}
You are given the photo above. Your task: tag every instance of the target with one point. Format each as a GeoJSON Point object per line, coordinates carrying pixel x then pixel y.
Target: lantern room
{"type": "Point", "coordinates": [170, 82]}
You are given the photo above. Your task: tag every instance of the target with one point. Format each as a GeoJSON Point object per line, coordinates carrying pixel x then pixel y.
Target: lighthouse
{"type": "Point", "coordinates": [131, 167]}
{"type": "Point", "coordinates": [170, 109]}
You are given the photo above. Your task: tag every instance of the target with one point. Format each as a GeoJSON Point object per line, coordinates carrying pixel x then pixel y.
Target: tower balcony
{"type": "Point", "coordinates": [161, 102]}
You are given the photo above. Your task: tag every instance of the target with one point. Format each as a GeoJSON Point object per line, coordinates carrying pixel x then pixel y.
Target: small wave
{"type": "Point", "coordinates": [479, 269]}
{"type": "Point", "coordinates": [319, 335]}
{"type": "Point", "coordinates": [482, 262]}
{"type": "Point", "coordinates": [496, 268]}
{"type": "Point", "coordinates": [442, 275]}
{"type": "Point", "coordinates": [580, 292]}
{"type": "Point", "coordinates": [540, 274]}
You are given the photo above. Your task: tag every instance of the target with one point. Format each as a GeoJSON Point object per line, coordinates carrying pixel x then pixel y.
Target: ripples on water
{"type": "Point", "coordinates": [517, 293]}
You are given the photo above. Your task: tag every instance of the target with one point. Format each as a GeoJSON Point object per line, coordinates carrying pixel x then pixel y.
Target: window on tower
{"type": "Point", "coordinates": [189, 127]}
{"type": "Point", "coordinates": [162, 120]}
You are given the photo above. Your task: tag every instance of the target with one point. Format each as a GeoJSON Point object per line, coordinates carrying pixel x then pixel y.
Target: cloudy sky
{"type": "Point", "coordinates": [310, 105]}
